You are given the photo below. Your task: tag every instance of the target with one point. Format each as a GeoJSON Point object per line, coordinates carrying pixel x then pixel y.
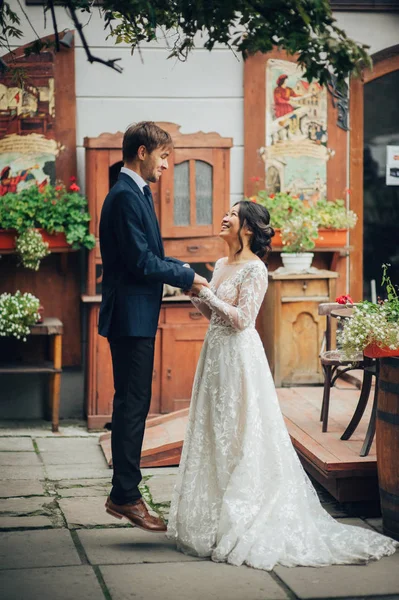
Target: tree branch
{"type": "Point", "coordinates": [108, 63]}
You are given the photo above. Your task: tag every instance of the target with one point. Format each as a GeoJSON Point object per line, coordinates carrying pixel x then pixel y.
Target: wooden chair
{"type": "Point", "coordinates": [335, 364]}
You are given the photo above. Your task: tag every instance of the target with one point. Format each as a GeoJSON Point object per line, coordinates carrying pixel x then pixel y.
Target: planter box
{"type": "Point", "coordinates": [331, 238]}
{"type": "Point", "coordinates": [7, 239]}
{"type": "Point", "coordinates": [328, 238]}
{"type": "Point", "coordinates": [374, 351]}
{"type": "Point", "coordinates": [56, 241]}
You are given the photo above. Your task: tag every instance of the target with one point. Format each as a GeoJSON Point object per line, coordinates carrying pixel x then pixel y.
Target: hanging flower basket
{"type": "Point", "coordinates": [374, 351]}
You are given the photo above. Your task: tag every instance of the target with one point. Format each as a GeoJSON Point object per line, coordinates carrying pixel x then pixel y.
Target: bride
{"type": "Point", "coordinates": [242, 495]}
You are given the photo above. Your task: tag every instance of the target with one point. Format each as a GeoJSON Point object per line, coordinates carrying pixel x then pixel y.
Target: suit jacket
{"type": "Point", "coordinates": [134, 264]}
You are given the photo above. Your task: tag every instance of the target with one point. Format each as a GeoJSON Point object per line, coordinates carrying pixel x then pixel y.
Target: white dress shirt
{"type": "Point", "coordinates": [136, 178]}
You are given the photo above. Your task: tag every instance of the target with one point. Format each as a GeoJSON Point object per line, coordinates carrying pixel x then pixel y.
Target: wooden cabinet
{"type": "Point", "coordinates": [178, 345]}
{"type": "Point", "coordinates": [190, 200]}
{"type": "Point", "coordinates": [290, 327]}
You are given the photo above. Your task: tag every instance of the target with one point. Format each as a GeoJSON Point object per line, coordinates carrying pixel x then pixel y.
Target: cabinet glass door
{"type": "Point", "coordinates": [187, 194]}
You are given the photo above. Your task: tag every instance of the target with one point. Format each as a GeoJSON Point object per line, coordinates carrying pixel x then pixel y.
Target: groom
{"type": "Point", "coordinates": [134, 271]}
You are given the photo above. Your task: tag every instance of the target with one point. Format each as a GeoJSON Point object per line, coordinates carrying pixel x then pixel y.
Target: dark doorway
{"type": "Point", "coordinates": [381, 201]}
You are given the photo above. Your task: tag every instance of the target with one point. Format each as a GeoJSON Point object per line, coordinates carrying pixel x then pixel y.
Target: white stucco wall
{"type": "Point", "coordinates": [203, 94]}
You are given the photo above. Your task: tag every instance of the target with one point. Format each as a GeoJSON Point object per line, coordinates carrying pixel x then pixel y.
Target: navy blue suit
{"type": "Point", "coordinates": [134, 264]}
{"type": "Point", "coordinates": [134, 271]}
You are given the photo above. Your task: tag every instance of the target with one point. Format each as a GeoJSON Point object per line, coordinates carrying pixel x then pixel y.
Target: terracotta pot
{"type": "Point", "coordinates": [276, 240]}
{"type": "Point", "coordinates": [328, 238]}
{"type": "Point", "coordinates": [56, 241]}
{"type": "Point", "coordinates": [7, 239]}
{"type": "Point", "coordinates": [331, 238]}
{"type": "Point", "coordinates": [374, 351]}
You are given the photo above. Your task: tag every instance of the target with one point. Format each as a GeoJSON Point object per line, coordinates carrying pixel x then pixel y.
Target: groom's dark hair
{"type": "Point", "coordinates": [145, 133]}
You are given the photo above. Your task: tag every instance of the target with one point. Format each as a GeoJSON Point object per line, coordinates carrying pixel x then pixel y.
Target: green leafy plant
{"type": "Point", "coordinates": [298, 234]}
{"type": "Point", "coordinates": [55, 209]}
{"type": "Point", "coordinates": [327, 214]}
{"type": "Point", "coordinates": [376, 324]}
{"type": "Point", "coordinates": [333, 215]}
{"type": "Point", "coordinates": [303, 27]}
{"type": "Point", "coordinates": [18, 312]}
{"type": "Point", "coordinates": [31, 249]}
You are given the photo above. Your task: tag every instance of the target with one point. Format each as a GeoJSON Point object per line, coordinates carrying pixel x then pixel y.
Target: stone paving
{"type": "Point", "coordinates": [57, 542]}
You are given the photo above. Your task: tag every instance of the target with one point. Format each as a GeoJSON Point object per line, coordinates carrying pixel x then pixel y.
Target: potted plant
{"type": "Point", "coordinates": [374, 328]}
{"type": "Point", "coordinates": [59, 214]}
{"type": "Point", "coordinates": [18, 313]}
{"type": "Point", "coordinates": [333, 219]}
{"type": "Point", "coordinates": [333, 222]}
{"type": "Point", "coordinates": [298, 237]}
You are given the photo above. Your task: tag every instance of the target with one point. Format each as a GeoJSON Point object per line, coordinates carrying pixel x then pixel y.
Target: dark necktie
{"type": "Point", "coordinates": [148, 195]}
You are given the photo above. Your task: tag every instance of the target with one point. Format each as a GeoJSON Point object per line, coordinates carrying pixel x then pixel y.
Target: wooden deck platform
{"type": "Point", "coordinates": [334, 463]}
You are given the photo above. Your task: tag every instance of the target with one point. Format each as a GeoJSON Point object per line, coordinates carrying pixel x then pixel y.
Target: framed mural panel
{"type": "Point", "coordinates": [293, 139]}
{"type": "Point", "coordinates": [37, 118]}
{"type": "Point", "coordinates": [38, 146]}
{"type": "Point", "coordinates": [295, 152]}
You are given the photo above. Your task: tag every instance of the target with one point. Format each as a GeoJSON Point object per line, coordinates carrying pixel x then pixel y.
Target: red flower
{"type": "Point", "coordinates": [59, 188]}
{"type": "Point", "coordinates": [53, 202]}
{"type": "Point", "coordinates": [344, 299]}
{"type": "Point", "coordinates": [272, 195]}
{"type": "Point", "coordinates": [74, 188]}
{"type": "Point", "coordinates": [72, 179]}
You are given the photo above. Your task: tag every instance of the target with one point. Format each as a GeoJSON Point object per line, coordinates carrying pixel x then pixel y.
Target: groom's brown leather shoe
{"type": "Point", "coordinates": [137, 514]}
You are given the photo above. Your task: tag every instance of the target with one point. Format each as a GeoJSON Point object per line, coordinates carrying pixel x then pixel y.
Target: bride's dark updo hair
{"type": "Point", "coordinates": [257, 218]}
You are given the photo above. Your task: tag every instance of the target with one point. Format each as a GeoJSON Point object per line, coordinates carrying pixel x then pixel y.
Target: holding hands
{"type": "Point", "coordinates": [198, 283]}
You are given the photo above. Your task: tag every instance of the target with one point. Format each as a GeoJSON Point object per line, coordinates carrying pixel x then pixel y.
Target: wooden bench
{"type": "Point", "coordinates": [53, 328]}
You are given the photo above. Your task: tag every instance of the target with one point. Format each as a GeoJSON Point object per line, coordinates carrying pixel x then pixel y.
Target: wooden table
{"type": "Point", "coordinates": [53, 367]}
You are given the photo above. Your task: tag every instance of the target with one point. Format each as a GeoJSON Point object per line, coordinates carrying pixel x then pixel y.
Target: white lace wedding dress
{"type": "Point", "coordinates": [242, 495]}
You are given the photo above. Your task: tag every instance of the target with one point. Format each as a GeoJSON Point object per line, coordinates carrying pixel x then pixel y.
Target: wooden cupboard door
{"type": "Point", "coordinates": [299, 343]}
{"type": "Point", "coordinates": [105, 381]}
{"type": "Point", "coordinates": [100, 376]}
{"type": "Point", "coordinates": [193, 193]}
{"type": "Point", "coordinates": [181, 347]}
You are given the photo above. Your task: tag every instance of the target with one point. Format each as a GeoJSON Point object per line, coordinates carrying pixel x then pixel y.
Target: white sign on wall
{"type": "Point", "coordinates": [392, 173]}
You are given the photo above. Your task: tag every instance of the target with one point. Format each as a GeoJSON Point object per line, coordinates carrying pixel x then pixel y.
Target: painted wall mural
{"type": "Point", "coordinates": [296, 150]}
{"type": "Point", "coordinates": [28, 148]}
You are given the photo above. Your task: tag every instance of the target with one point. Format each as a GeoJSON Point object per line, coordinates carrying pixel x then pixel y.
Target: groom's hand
{"type": "Point", "coordinates": [198, 283]}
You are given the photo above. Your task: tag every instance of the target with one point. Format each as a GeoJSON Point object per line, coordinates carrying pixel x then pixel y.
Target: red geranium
{"type": "Point", "coordinates": [74, 188]}
{"type": "Point", "coordinates": [344, 299]}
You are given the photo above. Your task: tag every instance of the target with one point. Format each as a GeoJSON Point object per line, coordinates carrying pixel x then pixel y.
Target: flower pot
{"type": "Point", "coordinates": [328, 238]}
{"type": "Point", "coordinates": [331, 238]}
{"type": "Point", "coordinates": [295, 262]}
{"type": "Point", "coordinates": [56, 241]}
{"type": "Point", "coordinates": [276, 240]}
{"type": "Point", "coordinates": [7, 239]}
{"type": "Point", "coordinates": [374, 351]}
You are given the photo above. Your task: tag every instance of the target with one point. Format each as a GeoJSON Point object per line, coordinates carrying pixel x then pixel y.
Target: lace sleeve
{"type": "Point", "coordinates": [199, 304]}
{"type": "Point", "coordinates": [252, 291]}
{"type": "Point", "coordinates": [202, 307]}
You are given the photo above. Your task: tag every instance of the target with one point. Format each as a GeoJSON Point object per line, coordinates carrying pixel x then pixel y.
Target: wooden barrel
{"type": "Point", "coordinates": [388, 444]}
